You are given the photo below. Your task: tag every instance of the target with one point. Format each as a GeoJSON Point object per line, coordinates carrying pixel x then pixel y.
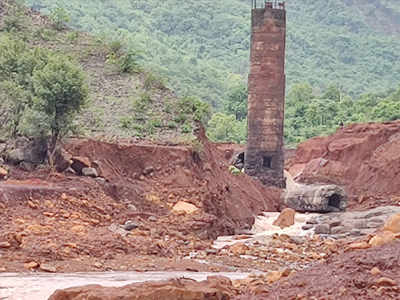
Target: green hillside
{"type": "Point", "coordinates": [202, 46]}
{"type": "Point", "coordinates": [343, 56]}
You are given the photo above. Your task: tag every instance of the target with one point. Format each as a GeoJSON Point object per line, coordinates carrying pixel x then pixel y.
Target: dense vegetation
{"type": "Point", "coordinates": [202, 46]}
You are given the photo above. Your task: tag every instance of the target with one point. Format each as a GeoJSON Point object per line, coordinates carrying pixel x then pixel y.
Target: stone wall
{"type": "Point", "coordinates": [264, 155]}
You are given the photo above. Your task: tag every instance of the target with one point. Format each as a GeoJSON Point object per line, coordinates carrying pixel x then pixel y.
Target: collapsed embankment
{"type": "Point", "coordinates": [364, 158]}
{"type": "Point", "coordinates": [177, 198]}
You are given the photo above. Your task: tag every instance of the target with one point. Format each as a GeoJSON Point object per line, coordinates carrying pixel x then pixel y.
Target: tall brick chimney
{"type": "Point", "coordinates": [266, 87]}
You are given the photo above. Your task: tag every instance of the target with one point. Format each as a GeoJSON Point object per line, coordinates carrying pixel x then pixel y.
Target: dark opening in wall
{"type": "Point", "coordinates": [334, 200]}
{"type": "Point", "coordinates": [267, 162]}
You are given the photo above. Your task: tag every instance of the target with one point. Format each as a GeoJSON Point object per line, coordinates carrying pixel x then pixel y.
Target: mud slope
{"type": "Point", "coordinates": [75, 222]}
{"type": "Point", "coordinates": [362, 157]}
{"type": "Point", "coordinates": [345, 276]}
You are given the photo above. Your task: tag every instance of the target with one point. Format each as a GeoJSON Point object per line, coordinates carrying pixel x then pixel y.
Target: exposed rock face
{"type": "Point", "coordinates": [316, 198]}
{"type": "Point", "coordinates": [214, 288]}
{"type": "Point", "coordinates": [363, 158]}
{"type": "Point", "coordinates": [34, 151]}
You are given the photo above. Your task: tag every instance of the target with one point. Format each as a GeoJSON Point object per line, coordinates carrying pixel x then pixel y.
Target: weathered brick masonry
{"type": "Point", "coordinates": [264, 154]}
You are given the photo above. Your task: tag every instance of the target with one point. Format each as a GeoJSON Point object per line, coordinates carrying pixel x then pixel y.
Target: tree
{"type": "Point", "coordinates": [61, 92]}
{"type": "Point", "coordinates": [236, 103]}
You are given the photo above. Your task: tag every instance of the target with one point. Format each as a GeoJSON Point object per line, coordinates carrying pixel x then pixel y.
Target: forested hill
{"type": "Point", "coordinates": [202, 46]}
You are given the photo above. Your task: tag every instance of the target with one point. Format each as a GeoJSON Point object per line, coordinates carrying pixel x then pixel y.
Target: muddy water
{"type": "Point", "coordinates": [41, 286]}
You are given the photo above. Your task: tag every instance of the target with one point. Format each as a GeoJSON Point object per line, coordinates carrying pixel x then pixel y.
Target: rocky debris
{"type": "Point", "coordinates": [130, 225]}
{"type": "Point", "coordinates": [353, 224]}
{"type": "Point", "coordinates": [48, 268]}
{"type": "Point", "coordinates": [90, 172]}
{"type": "Point", "coordinates": [316, 198]}
{"type": "Point", "coordinates": [343, 276]}
{"type": "Point", "coordinates": [62, 160]}
{"type": "Point", "coordinates": [184, 207]}
{"type": "Point", "coordinates": [214, 288]}
{"type": "Point", "coordinates": [382, 238]}
{"type": "Point", "coordinates": [24, 150]}
{"type": "Point", "coordinates": [79, 163]}
{"type": "Point", "coordinates": [31, 265]}
{"type": "Point", "coordinates": [393, 224]}
{"type": "Point", "coordinates": [363, 158]}
{"type": "Point", "coordinates": [3, 173]}
{"type": "Point", "coordinates": [286, 218]}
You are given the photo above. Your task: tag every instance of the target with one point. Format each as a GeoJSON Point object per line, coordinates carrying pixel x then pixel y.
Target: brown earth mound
{"type": "Point", "coordinates": [78, 223]}
{"type": "Point", "coordinates": [362, 157]}
{"type": "Point", "coordinates": [363, 274]}
{"type": "Point", "coordinates": [214, 288]}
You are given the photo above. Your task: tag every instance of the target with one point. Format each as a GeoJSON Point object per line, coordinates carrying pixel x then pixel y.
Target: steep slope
{"type": "Point", "coordinates": [203, 45]}
{"type": "Point", "coordinates": [122, 103]}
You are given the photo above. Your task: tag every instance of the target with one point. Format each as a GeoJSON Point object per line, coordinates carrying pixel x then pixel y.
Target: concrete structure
{"type": "Point", "coordinates": [264, 154]}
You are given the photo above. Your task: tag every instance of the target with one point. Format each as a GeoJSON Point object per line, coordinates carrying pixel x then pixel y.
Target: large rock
{"type": "Point", "coordinates": [286, 218]}
{"type": "Point", "coordinates": [80, 162]}
{"type": "Point", "coordinates": [214, 288]}
{"type": "Point", "coordinates": [34, 152]}
{"type": "Point", "coordinates": [316, 198]}
{"type": "Point", "coordinates": [62, 160]}
{"type": "Point", "coordinates": [184, 207]}
{"type": "Point", "coordinates": [393, 224]}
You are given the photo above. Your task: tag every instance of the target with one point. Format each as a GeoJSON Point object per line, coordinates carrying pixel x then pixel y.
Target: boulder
{"type": "Point", "coordinates": [214, 288]}
{"type": "Point", "coordinates": [322, 229]}
{"type": "Point", "coordinates": [62, 160]}
{"type": "Point", "coordinates": [393, 224]}
{"type": "Point", "coordinates": [3, 173]}
{"type": "Point", "coordinates": [382, 238]}
{"type": "Point", "coordinates": [316, 198]}
{"type": "Point", "coordinates": [34, 152]}
{"type": "Point", "coordinates": [80, 162]}
{"type": "Point", "coordinates": [90, 172]}
{"type": "Point", "coordinates": [184, 207]}
{"type": "Point", "coordinates": [286, 218]}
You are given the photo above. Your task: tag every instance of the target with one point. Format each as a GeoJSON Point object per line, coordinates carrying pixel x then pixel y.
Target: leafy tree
{"type": "Point", "coordinates": [61, 92]}
{"type": "Point", "coordinates": [59, 16]}
{"type": "Point", "coordinates": [225, 128]}
{"type": "Point", "coordinates": [236, 102]}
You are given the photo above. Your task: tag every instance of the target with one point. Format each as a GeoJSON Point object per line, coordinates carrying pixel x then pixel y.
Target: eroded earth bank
{"type": "Point", "coordinates": [146, 207]}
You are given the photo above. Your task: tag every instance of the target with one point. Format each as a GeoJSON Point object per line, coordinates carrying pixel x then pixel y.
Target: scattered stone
{"type": "Point", "coordinates": [385, 281]}
{"type": "Point", "coordinates": [62, 160]}
{"type": "Point", "coordinates": [362, 224]}
{"type": "Point", "coordinates": [239, 249]}
{"type": "Point", "coordinates": [132, 207]}
{"type": "Point", "coordinates": [286, 218]}
{"type": "Point", "coordinates": [312, 221]}
{"type": "Point", "coordinates": [5, 245]}
{"type": "Point", "coordinates": [27, 166]}
{"type": "Point", "coordinates": [80, 162]}
{"type": "Point", "coordinates": [15, 156]}
{"type": "Point", "coordinates": [3, 173]}
{"type": "Point", "coordinates": [334, 223]}
{"type": "Point", "coordinates": [355, 232]}
{"type": "Point", "coordinates": [48, 268]}
{"type": "Point", "coordinates": [90, 172]}
{"type": "Point", "coordinates": [339, 230]}
{"type": "Point", "coordinates": [359, 245]}
{"type": "Point", "coordinates": [130, 225]}
{"type": "Point", "coordinates": [375, 271]}
{"type": "Point", "coordinates": [31, 265]}
{"type": "Point", "coordinates": [274, 276]}
{"type": "Point", "coordinates": [322, 229]}
{"type": "Point", "coordinates": [382, 238]}
{"type": "Point", "coordinates": [184, 207]}
{"type": "Point", "coordinates": [307, 226]}
{"type": "Point", "coordinates": [148, 170]}
{"type": "Point", "coordinates": [393, 224]}
{"type": "Point", "coordinates": [152, 219]}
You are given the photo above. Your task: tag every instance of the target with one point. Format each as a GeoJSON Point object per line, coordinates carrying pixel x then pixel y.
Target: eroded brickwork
{"type": "Point", "coordinates": [264, 154]}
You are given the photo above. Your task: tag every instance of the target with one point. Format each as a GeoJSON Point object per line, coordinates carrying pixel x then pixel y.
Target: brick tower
{"type": "Point", "coordinates": [266, 87]}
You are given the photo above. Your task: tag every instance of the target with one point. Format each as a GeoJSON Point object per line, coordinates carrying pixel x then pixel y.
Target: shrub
{"type": "Point", "coordinates": [153, 81]}
{"type": "Point", "coordinates": [59, 16]}
{"type": "Point", "coordinates": [128, 62]}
